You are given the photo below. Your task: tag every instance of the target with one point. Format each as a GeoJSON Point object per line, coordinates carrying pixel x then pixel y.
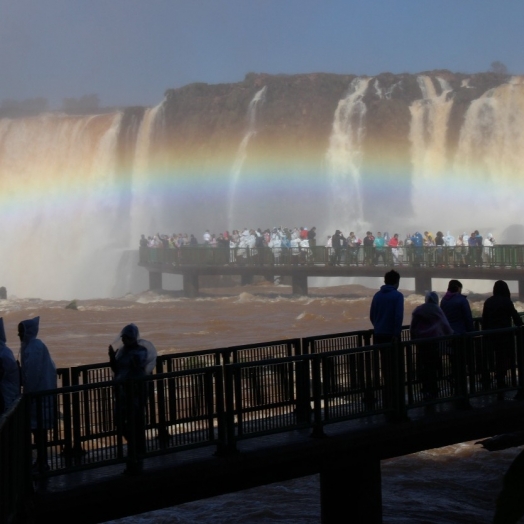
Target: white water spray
{"type": "Point", "coordinates": [241, 155]}
{"type": "Point", "coordinates": [428, 136]}
{"type": "Point", "coordinates": [490, 149]}
{"type": "Point", "coordinates": [344, 159]}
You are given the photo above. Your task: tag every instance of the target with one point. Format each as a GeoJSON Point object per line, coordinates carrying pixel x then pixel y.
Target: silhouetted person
{"type": "Point", "coordinates": [387, 310]}
{"type": "Point", "coordinates": [386, 315]}
{"type": "Point", "coordinates": [38, 374]}
{"type": "Point", "coordinates": [499, 312]}
{"type": "Point", "coordinates": [457, 309]}
{"type": "Point", "coordinates": [128, 363]}
{"type": "Point", "coordinates": [429, 321]}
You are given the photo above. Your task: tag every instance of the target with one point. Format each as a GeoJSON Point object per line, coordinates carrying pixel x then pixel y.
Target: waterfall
{"type": "Point", "coordinates": [439, 151]}
{"type": "Point", "coordinates": [490, 149]}
{"type": "Point", "coordinates": [241, 154]}
{"type": "Point", "coordinates": [428, 137]}
{"type": "Point", "coordinates": [65, 211]}
{"type": "Point", "coordinates": [147, 203]}
{"type": "Point", "coordinates": [344, 159]}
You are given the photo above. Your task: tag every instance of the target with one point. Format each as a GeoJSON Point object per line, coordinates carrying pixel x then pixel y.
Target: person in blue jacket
{"type": "Point", "coordinates": [386, 315]}
{"type": "Point", "coordinates": [387, 310]}
{"type": "Point", "coordinates": [457, 309]}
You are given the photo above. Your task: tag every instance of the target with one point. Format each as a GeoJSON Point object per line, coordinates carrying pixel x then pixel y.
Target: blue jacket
{"type": "Point", "coordinates": [387, 311]}
{"type": "Point", "coordinates": [458, 312]}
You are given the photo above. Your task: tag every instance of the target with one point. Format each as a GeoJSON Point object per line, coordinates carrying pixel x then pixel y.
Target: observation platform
{"type": "Point", "coordinates": [218, 421]}
{"type": "Point", "coordinates": [504, 262]}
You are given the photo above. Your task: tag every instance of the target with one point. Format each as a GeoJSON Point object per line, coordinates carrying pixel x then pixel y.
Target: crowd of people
{"type": "Point", "coordinates": [452, 316]}
{"type": "Point", "coordinates": [382, 248]}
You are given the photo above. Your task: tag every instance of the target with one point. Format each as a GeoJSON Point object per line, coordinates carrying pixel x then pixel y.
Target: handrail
{"type": "Point", "coordinates": [221, 405]}
{"type": "Point", "coordinates": [500, 255]}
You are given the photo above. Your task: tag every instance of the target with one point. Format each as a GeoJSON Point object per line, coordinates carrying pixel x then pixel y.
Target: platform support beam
{"type": "Point", "coordinates": [191, 289]}
{"type": "Point", "coordinates": [155, 281]}
{"type": "Point", "coordinates": [422, 284]}
{"type": "Point", "coordinates": [351, 491]}
{"type": "Point", "coordinates": [299, 284]}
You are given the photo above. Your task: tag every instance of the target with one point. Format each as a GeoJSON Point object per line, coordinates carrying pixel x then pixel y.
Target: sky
{"type": "Point", "coordinates": [128, 52]}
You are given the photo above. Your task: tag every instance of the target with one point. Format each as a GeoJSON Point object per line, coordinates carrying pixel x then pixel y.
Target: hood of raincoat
{"type": "Point", "coordinates": [133, 331]}
{"type": "Point", "coordinates": [31, 326]}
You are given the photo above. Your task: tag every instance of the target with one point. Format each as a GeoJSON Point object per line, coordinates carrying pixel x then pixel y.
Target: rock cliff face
{"type": "Point", "coordinates": [400, 153]}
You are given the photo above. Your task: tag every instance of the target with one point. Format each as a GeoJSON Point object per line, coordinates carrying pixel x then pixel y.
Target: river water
{"type": "Point", "coordinates": [455, 484]}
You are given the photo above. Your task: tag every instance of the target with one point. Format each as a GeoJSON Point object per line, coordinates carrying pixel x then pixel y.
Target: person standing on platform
{"type": "Point", "coordinates": [9, 373]}
{"type": "Point", "coordinates": [457, 309]}
{"type": "Point", "coordinates": [386, 315]}
{"type": "Point", "coordinates": [429, 321]}
{"type": "Point", "coordinates": [128, 363]}
{"type": "Point", "coordinates": [387, 310]}
{"type": "Point", "coordinates": [458, 312]}
{"type": "Point", "coordinates": [38, 374]}
{"type": "Point", "coordinates": [498, 313]}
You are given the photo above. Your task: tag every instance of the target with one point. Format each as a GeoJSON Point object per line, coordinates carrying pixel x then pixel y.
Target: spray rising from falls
{"type": "Point", "coordinates": [344, 158]}
{"type": "Point", "coordinates": [68, 205]}
{"type": "Point", "coordinates": [428, 136]}
{"type": "Point", "coordinates": [490, 146]}
{"type": "Point", "coordinates": [241, 155]}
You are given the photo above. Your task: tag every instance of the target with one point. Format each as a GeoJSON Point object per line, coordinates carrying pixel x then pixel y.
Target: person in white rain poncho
{"type": "Point", "coordinates": [9, 373]}
{"type": "Point", "coordinates": [133, 360]}
{"type": "Point", "coordinates": [488, 242]}
{"type": "Point", "coordinates": [121, 352]}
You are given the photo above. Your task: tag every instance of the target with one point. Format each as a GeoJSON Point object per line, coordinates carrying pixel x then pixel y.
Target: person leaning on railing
{"type": "Point", "coordinates": [498, 313]}
{"type": "Point", "coordinates": [386, 314]}
{"type": "Point", "coordinates": [429, 321]}
{"type": "Point", "coordinates": [128, 363]}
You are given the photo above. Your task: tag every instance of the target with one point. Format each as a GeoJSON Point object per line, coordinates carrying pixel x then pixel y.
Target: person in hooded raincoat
{"type": "Point", "coordinates": [429, 321]}
{"type": "Point", "coordinates": [38, 368]}
{"type": "Point", "coordinates": [9, 373]}
{"type": "Point", "coordinates": [128, 363]}
{"type": "Point", "coordinates": [38, 374]}
{"type": "Point", "coordinates": [498, 313]}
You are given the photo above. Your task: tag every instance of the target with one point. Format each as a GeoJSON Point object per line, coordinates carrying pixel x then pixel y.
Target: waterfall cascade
{"type": "Point", "coordinates": [344, 159]}
{"type": "Point", "coordinates": [77, 191]}
{"type": "Point", "coordinates": [241, 155]}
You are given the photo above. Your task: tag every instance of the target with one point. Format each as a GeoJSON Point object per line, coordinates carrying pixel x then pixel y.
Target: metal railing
{"type": "Point", "coordinates": [506, 256]}
{"type": "Point", "coordinates": [101, 423]}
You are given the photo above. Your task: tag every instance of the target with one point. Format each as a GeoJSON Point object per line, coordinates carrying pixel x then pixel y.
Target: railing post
{"type": "Point", "coordinates": [303, 388]}
{"type": "Point", "coordinates": [398, 381]}
{"type": "Point", "coordinates": [222, 429]}
{"type": "Point", "coordinates": [519, 337]}
{"type": "Point", "coordinates": [134, 426]}
{"type": "Point", "coordinates": [229, 390]}
{"type": "Point", "coordinates": [460, 370]}
{"type": "Point", "coordinates": [351, 487]}
{"type": "Point", "coordinates": [318, 430]}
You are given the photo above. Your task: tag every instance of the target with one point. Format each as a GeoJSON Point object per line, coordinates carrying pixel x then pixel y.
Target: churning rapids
{"type": "Point", "coordinates": [456, 484]}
